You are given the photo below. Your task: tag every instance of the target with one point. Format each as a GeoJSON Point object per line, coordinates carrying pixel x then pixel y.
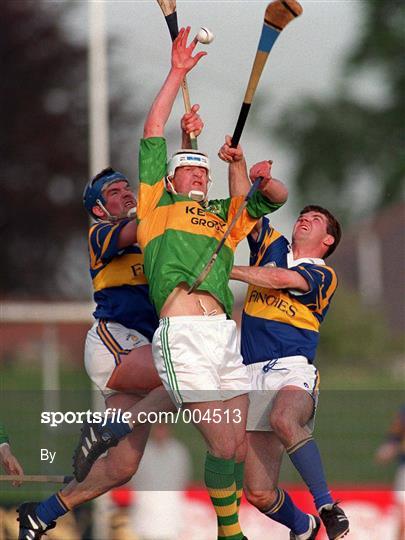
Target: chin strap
{"type": "Point", "coordinates": [170, 185]}
{"type": "Point", "coordinates": [104, 209]}
{"type": "Point", "coordinates": [131, 214]}
{"type": "Point", "coordinates": [194, 194]}
{"type": "Point", "coordinates": [198, 196]}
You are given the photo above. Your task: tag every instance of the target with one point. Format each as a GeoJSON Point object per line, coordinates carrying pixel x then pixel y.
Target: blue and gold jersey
{"type": "Point", "coordinates": [279, 323]}
{"type": "Point", "coordinates": [120, 287]}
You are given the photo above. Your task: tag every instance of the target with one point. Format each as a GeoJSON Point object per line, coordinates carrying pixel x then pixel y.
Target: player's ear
{"type": "Point", "coordinates": [97, 211]}
{"type": "Point", "coordinates": [328, 240]}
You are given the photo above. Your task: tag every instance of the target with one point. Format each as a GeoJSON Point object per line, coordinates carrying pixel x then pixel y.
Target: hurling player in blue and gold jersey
{"type": "Point", "coordinates": [118, 356]}
{"type": "Point", "coordinates": [290, 289]}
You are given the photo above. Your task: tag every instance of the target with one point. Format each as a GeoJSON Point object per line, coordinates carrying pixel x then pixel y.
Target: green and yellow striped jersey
{"type": "Point", "coordinates": [178, 235]}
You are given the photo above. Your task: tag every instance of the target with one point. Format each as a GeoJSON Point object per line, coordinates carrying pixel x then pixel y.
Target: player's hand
{"type": "Point", "coordinates": [10, 463]}
{"type": "Point", "coordinates": [191, 122]}
{"type": "Point", "coordinates": [182, 58]}
{"type": "Point", "coordinates": [263, 169]}
{"type": "Point", "coordinates": [228, 154]}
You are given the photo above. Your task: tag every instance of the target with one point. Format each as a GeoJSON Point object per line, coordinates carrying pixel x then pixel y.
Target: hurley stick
{"type": "Point", "coordinates": [207, 268]}
{"type": "Point", "coordinates": [42, 478]}
{"type": "Point", "coordinates": [168, 8]}
{"type": "Point", "coordinates": [276, 17]}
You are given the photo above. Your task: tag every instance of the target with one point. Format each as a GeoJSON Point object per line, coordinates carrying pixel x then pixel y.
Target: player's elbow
{"type": "Point", "coordinates": [275, 191]}
{"type": "Point", "coordinates": [282, 196]}
{"type": "Point", "coordinates": [280, 193]}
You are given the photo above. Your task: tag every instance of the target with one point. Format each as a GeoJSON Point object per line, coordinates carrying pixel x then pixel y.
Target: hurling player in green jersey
{"type": "Point", "coordinates": [195, 347]}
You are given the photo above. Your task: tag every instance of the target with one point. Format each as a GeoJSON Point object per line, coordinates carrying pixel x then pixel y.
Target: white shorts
{"type": "Point", "coordinates": [267, 378]}
{"type": "Point", "coordinates": [198, 359]}
{"type": "Point", "coordinates": [106, 342]}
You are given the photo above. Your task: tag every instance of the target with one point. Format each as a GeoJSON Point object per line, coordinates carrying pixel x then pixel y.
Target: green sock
{"type": "Point", "coordinates": [220, 482]}
{"type": "Point", "coordinates": [239, 470]}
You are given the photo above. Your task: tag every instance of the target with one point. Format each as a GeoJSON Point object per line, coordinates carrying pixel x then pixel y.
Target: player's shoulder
{"type": "Point", "coordinates": [331, 271]}
{"type": "Point", "coordinates": [99, 226]}
{"type": "Point", "coordinates": [329, 275]}
{"type": "Point", "coordinates": [269, 233]}
{"type": "Point", "coordinates": [104, 231]}
{"type": "Point", "coordinates": [315, 264]}
{"type": "Point", "coordinates": [316, 268]}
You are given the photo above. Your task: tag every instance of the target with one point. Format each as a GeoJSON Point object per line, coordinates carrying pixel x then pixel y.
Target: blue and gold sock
{"type": "Point", "coordinates": [306, 458]}
{"type": "Point", "coordinates": [119, 428]}
{"type": "Point", "coordinates": [284, 511]}
{"type": "Point", "coordinates": [51, 509]}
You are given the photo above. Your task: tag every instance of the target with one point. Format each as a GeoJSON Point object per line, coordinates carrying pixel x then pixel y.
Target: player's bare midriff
{"type": "Point", "coordinates": [180, 303]}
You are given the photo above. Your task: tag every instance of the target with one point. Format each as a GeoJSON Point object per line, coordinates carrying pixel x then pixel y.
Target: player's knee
{"type": "Point", "coordinates": [224, 449]}
{"type": "Point", "coordinates": [261, 499]}
{"type": "Point", "coordinates": [282, 424]}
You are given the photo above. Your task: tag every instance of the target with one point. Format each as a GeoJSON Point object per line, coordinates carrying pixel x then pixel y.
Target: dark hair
{"type": "Point", "coordinates": [333, 227]}
{"type": "Point", "coordinates": [105, 172]}
{"type": "Point", "coordinates": [94, 188]}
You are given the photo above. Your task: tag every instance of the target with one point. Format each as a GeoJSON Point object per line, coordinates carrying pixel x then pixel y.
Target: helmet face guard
{"type": "Point", "coordinates": [188, 158]}
{"type": "Point", "coordinates": [93, 192]}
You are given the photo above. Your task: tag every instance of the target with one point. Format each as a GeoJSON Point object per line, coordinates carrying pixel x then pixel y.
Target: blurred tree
{"type": "Point", "coordinates": [44, 152]}
{"type": "Point", "coordinates": [356, 337]}
{"type": "Point", "coordinates": [44, 146]}
{"type": "Point", "coordinates": [349, 148]}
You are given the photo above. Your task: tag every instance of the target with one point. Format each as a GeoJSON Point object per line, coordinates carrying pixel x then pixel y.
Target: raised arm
{"type": "Point", "coordinates": [182, 63]}
{"type": "Point", "coordinates": [271, 188]}
{"type": "Point", "coordinates": [274, 190]}
{"type": "Point", "coordinates": [238, 179]}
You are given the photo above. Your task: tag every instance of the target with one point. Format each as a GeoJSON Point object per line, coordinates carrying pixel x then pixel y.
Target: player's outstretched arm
{"type": "Point", "coordinates": [238, 179]}
{"type": "Point", "coordinates": [271, 188]}
{"type": "Point", "coordinates": [272, 278]}
{"type": "Point", "coordinates": [190, 123]}
{"type": "Point", "coordinates": [182, 62]}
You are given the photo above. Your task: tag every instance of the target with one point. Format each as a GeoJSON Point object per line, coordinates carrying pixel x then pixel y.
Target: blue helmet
{"type": "Point", "coordinates": [93, 192]}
